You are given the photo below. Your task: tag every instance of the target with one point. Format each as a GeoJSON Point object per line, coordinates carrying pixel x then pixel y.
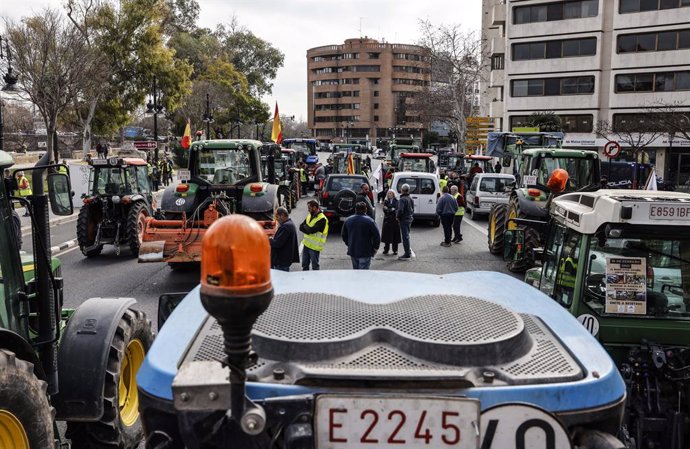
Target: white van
{"type": "Point", "coordinates": [424, 192]}
{"type": "Point", "coordinates": [486, 190]}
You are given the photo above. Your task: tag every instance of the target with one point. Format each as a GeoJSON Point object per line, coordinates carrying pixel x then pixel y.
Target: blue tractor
{"type": "Point", "coordinates": [254, 358]}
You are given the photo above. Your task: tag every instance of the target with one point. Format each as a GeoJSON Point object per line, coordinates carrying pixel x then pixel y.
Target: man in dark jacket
{"type": "Point", "coordinates": [365, 196]}
{"type": "Point", "coordinates": [405, 214]}
{"type": "Point", "coordinates": [362, 237]}
{"type": "Point", "coordinates": [446, 207]}
{"type": "Point", "coordinates": [284, 248]}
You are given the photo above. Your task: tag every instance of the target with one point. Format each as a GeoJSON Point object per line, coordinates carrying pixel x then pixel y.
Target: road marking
{"type": "Point", "coordinates": [69, 250]}
{"type": "Point", "coordinates": [477, 227]}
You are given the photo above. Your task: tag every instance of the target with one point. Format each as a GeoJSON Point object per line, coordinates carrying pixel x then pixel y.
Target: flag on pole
{"type": "Point", "coordinates": [277, 132]}
{"type": "Point", "coordinates": [351, 164]}
{"type": "Point", "coordinates": [651, 181]}
{"type": "Point", "coordinates": [187, 136]}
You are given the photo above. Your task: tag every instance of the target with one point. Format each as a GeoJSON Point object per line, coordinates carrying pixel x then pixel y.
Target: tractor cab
{"type": "Point", "coordinates": [119, 176]}
{"type": "Point", "coordinates": [450, 162]}
{"type": "Point", "coordinates": [395, 150]}
{"type": "Point", "coordinates": [416, 162]}
{"type": "Point", "coordinates": [619, 261]}
{"type": "Point", "coordinates": [339, 163]}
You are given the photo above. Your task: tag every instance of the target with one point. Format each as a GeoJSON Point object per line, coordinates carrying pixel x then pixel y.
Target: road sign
{"type": "Point", "coordinates": [144, 144]}
{"type": "Point", "coordinates": [612, 149]}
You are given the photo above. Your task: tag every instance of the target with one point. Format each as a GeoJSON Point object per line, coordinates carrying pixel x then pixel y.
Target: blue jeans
{"type": "Point", "coordinates": [405, 233]}
{"type": "Point", "coordinates": [309, 255]}
{"type": "Point", "coordinates": [361, 263]}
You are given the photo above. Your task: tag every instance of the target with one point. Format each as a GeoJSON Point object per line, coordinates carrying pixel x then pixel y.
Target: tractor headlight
{"type": "Point", "coordinates": [116, 199]}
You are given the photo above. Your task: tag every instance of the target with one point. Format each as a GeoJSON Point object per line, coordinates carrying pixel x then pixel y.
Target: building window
{"type": "Point", "coordinates": [661, 41]}
{"type": "Point", "coordinates": [576, 85]}
{"type": "Point", "coordinates": [376, 118]}
{"type": "Point", "coordinates": [570, 123]}
{"type": "Point", "coordinates": [374, 55]}
{"type": "Point", "coordinates": [555, 49]}
{"type": "Point", "coordinates": [376, 105]}
{"type": "Point", "coordinates": [498, 61]}
{"type": "Point", "coordinates": [555, 11]}
{"type": "Point", "coordinates": [366, 68]}
{"type": "Point", "coordinates": [351, 56]}
{"type": "Point", "coordinates": [376, 93]}
{"type": "Point", "coordinates": [374, 80]}
{"type": "Point", "coordinates": [653, 82]}
{"type": "Point", "coordinates": [629, 6]}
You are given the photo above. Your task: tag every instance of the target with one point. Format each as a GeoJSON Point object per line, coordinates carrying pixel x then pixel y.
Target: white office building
{"type": "Point", "coordinates": [590, 60]}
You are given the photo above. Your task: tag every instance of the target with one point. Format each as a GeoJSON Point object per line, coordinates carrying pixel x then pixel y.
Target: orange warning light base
{"type": "Point", "coordinates": [236, 258]}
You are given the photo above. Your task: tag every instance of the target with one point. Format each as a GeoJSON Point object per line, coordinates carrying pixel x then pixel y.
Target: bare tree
{"type": "Point", "coordinates": [52, 60]}
{"type": "Point", "coordinates": [672, 119]}
{"type": "Point", "coordinates": [456, 68]}
{"type": "Point", "coordinates": [17, 122]}
{"type": "Point", "coordinates": [631, 133]}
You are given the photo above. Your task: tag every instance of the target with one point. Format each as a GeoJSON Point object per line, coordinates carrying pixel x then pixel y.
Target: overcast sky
{"type": "Point", "coordinates": [293, 26]}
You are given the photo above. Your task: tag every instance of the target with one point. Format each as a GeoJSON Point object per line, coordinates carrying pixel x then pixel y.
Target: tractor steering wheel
{"type": "Point", "coordinates": [595, 287]}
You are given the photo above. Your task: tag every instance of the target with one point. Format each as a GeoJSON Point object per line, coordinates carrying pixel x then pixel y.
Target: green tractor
{"type": "Point", "coordinates": [275, 171]}
{"type": "Point", "coordinates": [619, 261]}
{"type": "Point", "coordinates": [116, 207]}
{"type": "Point", "coordinates": [529, 200]}
{"type": "Point", "coordinates": [76, 366]}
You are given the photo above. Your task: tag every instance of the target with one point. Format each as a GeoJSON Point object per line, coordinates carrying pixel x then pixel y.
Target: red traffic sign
{"type": "Point", "coordinates": [144, 144]}
{"type": "Point", "coordinates": [612, 149]}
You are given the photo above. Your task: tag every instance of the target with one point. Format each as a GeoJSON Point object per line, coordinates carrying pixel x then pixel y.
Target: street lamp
{"type": "Point", "coordinates": [155, 107]}
{"type": "Point", "coordinates": [10, 85]}
{"type": "Point", "coordinates": [208, 117]}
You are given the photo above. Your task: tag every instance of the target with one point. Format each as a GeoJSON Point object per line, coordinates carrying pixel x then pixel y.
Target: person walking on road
{"type": "Point", "coordinates": [284, 249]}
{"type": "Point", "coordinates": [498, 167]}
{"type": "Point", "coordinates": [303, 178]}
{"type": "Point", "coordinates": [319, 176]}
{"type": "Point", "coordinates": [365, 196]}
{"type": "Point", "coordinates": [457, 218]}
{"type": "Point", "coordinates": [315, 230]}
{"type": "Point", "coordinates": [405, 215]}
{"type": "Point", "coordinates": [362, 237]}
{"type": "Point", "coordinates": [390, 231]}
{"type": "Point", "coordinates": [446, 207]}
{"type": "Point", "coordinates": [24, 189]}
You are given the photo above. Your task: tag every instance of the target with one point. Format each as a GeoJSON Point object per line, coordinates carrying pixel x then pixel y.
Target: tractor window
{"type": "Point", "coordinates": [561, 259]}
{"type": "Point", "coordinates": [143, 179]}
{"type": "Point", "coordinates": [662, 280]}
{"type": "Point", "coordinates": [581, 171]}
{"type": "Point", "coordinates": [109, 181]}
{"type": "Point", "coordinates": [227, 166]}
{"type": "Point", "coordinates": [132, 185]}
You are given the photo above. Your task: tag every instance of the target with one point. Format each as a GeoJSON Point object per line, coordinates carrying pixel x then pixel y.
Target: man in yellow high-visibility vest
{"type": "Point", "coordinates": [315, 230]}
{"type": "Point", "coordinates": [24, 188]}
{"type": "Point", "coordinates": [457, 219]}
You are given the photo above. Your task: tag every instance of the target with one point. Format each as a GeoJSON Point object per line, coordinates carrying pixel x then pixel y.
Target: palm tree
{"type": "Point", "coordinates": [546, 121]}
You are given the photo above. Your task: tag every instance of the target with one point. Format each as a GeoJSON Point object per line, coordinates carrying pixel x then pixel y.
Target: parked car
{"type": "Point", "coordinates": [486, 190]}
{"type": "Point", "coordinates": [337, 198]}
{"type": "Point", "coordinates": [424, 191]}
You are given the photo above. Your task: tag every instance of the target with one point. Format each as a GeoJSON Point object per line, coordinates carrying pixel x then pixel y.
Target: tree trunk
{"type": "Point", "coordinates": [86, 126]}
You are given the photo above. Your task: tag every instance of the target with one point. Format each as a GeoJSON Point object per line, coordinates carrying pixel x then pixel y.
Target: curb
{"type": "Point", "coordinates": [64, 246]}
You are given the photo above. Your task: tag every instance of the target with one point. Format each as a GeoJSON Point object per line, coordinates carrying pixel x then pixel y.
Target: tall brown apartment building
{"type": "Point", "coordinates": [362, 90]}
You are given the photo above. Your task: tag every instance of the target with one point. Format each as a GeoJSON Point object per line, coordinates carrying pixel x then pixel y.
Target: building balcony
{"type": "Point", "coordinates": [498, 14]}
{"type": "Point", "coordinates": [498, 45]}
{"type": "Point", "coordinates": [497, 78]}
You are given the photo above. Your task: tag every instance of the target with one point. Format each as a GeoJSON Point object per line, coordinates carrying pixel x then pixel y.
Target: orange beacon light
{"type": "Point", "coordinates": [235, 289]}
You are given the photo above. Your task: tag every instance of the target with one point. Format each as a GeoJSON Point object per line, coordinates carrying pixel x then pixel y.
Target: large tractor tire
{"type": "Point", "coordinates": [26, 417]}
{"type": "Point", "coordinates": [285, 198]}
{"type": "Point", "coordinates": [497, 228]}
{"type": "Point", "coordinates": [136, 219]}
{"type": "Point", "coordinates": [87, 226]}
{"type": "Point", "coordinates": [531, 238]}
{"type": "Point", "coordinates": [120, 426]}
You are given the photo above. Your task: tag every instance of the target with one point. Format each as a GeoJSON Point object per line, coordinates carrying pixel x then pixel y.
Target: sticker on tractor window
{"type": "Point", "coordinates": [626, 285]}
{"type": "Point", "coordinates": [529, 181]}
{"type": "Point", "coordinates": [184, 175]}
{"type": "Point", "coordinates": [180, 201]}
{"type": "Point", "coordinates": [590, 323]}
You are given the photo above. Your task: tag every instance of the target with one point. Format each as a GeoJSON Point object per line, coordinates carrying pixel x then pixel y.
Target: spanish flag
{"type": "Point", "coordinates": [187, 136]}
{"type": "Point", "coordinates": [350, 164]}
{"type": "Point", "coordinates": [277, 133]}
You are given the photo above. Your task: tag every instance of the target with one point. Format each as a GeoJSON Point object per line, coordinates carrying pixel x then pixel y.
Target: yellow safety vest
{"type": "Point", "coordinates": [567, 278]}
{"type": "Point", "coordinates": [317, 240]}
{"type": "Point", "coordinates": [302, 175]}
{"type": "Point", "coordinates": [461, 210]}
{"type": "Point", "coordinates": [442, 183]}
{"type": "Point", "coordinates": [26, 191]}
{"type": "Point", "coordinates": [62, 170]}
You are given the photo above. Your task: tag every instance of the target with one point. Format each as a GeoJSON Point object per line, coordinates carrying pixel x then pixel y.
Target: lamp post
{"type": "Point", "coordinates": [208, 117]}
{"type": "Point", "coordinates": [10, 85]}
{"type": "Point", "coordinates": [155, 107]}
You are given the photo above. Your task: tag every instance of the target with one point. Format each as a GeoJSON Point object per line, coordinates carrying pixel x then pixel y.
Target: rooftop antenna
{"type": "Point", "coordinates": [360, 27]}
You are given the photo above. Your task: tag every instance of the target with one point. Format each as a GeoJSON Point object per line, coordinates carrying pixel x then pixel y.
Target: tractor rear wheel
{"type": "Point", "coordinates": [497, 228]}
{"type": "Point", "coordinates": [87, 226]}
{"type": "Point", "coordinates": [120, 426]}
{"type": "Point", "coordinates": [285, 198]}
{"type": "Point", "coordinates": [136, 219]}
{"type": "Point", "coordinates": [26, 417]}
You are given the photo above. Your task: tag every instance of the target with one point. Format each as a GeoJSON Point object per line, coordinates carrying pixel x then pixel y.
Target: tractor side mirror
{"type": "Point", "coordinates": [166, 304]}
{"type": "Point", "coordinates": [60, 194]}
{"type": "Point", "coordinates": [506, 161]}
